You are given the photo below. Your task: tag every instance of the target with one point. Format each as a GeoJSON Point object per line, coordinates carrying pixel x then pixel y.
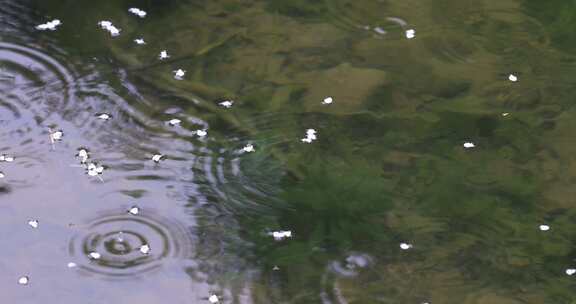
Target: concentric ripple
{"type": "Point", "coordinates": [33, 86]}
{"type": "Point", "coordinates": [111, 245]}
{"type": "Point", "coordinates": [243, 181]}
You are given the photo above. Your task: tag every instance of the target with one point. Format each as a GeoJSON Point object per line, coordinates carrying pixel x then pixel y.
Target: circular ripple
{"type": "Point", "coordinates": [244, 182]}
{"type": "Point", "coordinates": [118, 239]}
{"type": "Point", "coordinates": [33, 86]}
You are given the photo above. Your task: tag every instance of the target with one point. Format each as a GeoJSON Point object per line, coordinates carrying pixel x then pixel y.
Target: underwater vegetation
{"type": "Point", "coordinates": [323, 151]}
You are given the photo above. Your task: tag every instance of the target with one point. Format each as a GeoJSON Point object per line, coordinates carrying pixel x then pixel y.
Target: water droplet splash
{"type": "Point", "coordinates": [124, 245]}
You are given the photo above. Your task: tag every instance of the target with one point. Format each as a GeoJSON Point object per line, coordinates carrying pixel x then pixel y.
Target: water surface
{"type": "Point", "coordinates": [389, 204]}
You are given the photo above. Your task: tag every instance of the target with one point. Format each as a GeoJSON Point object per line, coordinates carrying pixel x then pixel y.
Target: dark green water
{"type": "Point", "coordinates": [389, 167]}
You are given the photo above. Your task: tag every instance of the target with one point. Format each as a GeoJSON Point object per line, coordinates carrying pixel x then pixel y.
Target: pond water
{"type": "Point", "coordinates": [302, 151]}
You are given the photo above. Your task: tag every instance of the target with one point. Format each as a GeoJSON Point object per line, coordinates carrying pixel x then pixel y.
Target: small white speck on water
{"type": "Point", "coordinates": [94, 255]}
{"type": "Point", "coordinates": [179, 74]}
{"type": "Point", "coordinates": [145, 249]}
{"type": "Point", "coordinates": [275, 268]}
{"type": "Point", "coordinates": [2, 175]}
{"type": "Point", "coordinates": [6, 158]}
{"type": "Point", "coordinates": [570, 271]}
{"type": "Point", "coordinates": [174, 121]}
{"type": "Point", "coordinates": [512, 77]}
{"type": "Point", "coordinates": [163, 55]}
{"type": "Point", "coordinates": [226, 104]}
{"type": "Point", "coordinates": [134, 210]}
{"type": "Point", "coordinates": [544, 227]}
{"type": "Point", "coordinates": [138, 12]}
{"type": "Point", "coordinates": [411, 33]}
{"type": "Point", "coordinates": [33, 223]}
{"type": "Point", "coordinates": [139, 41]}
{"type": "Point", "coordinates": [56, 135]}
{"type": "Point", "coordinates": [405, 246]}
{"type": "Point", "coordinates": [201, 133]}
{"type": "Point", "coordinates": [50, 25]}
{"type": "Point", "coordinates": [248, 148]}
{"type": "Point", "coordinates": [469, 145]}
{"type": "Point", "coordinates": [280, 235]}
{"type": "Point", "coordinates": [71, 265]}
{"type": "Point", "coordinates": [94, 169]}
{"type": "Point", "coordinates": [158, 157]}
{"type": "Point", "coordinates": [213, 299]}
{"type": "Point", "coordinates": [83, 154]}
{"type": "Point", "coordinates": [24, 280]}
{"type": "Point", "coordinates": [103, 116]}
{"type": "Point", "coordinates": [310, 136]}
{"type": "Point", "coordinates": [108, 26]}
{"type": "Point", "coordinates": [327, 100]}
{"type": "Point", "coordinates": [505, 114]}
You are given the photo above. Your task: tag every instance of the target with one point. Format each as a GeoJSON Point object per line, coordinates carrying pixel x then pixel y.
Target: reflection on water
{"type": "Point", "coordinates": [428, 177]}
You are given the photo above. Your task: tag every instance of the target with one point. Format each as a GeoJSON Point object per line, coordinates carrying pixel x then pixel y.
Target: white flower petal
{"type": "Point", "coordinates": [405, 246]}
{"type": "Point", "coordinates": [226, 104]}
{"type": "Point", "coordinates": [544, 227]}
{"type": "Point", "coordinates": [327, 100]}
{"type": "Point", "coordinates": [134, 210]}
{"type": "Point", "coordinates": [411, 33]}
{"type": "Point", "coordinates": [33, 223]}
{"type": "Point", "coordinates": [24, 280]}
{"type": "Point", "coordinates": [213, 299]}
